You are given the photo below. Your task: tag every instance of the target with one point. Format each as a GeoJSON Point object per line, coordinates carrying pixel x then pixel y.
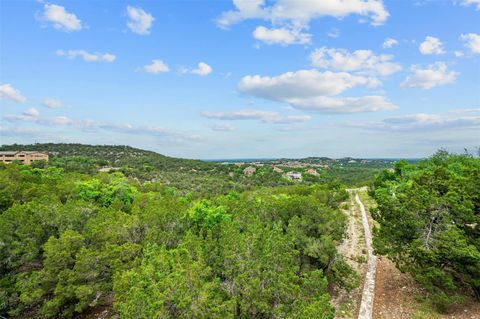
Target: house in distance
{"type": "Point", "coordinates": [294, 175]}
{"type": "Point", "coordinates": [23, 157]}
{"type": "Point", "coordinates": [249, 171]}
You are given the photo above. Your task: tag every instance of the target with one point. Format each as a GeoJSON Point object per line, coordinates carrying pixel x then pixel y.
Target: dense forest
{"type": "Point", "coordinates": [73, 242]}
{"type": "Point", "coordinates": [428, 219]}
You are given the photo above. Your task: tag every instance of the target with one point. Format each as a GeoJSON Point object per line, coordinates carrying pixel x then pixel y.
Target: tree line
{"type": "Point", "coordinates": [428, 219]}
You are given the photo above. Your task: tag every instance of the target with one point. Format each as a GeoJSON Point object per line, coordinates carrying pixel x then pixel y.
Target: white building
{"type": "Point", "coordinates": [294, 175]}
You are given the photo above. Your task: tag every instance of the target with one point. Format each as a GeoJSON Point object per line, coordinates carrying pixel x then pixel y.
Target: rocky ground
{"type": "Point", "coordinates": [397, 296]}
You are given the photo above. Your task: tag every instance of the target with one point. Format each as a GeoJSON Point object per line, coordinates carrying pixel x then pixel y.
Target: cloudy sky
{"type": "Point", "coordinates": [248, 78]}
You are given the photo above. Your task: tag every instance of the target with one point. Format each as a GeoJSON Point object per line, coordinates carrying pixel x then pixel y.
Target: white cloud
{"type": "Point", "coordinates": [283, 36]}
{"type": "Point", "coordinates": [33, 116]}
{"type": "Point", "coordinates": [475, 3]}
{"type": "Point", "coordinates": [157, 66]}
{"type": "Point", "coordinates": [361, 61]}
{"type": "Point", "coordinates": [139, 21]}
{"type": "Point", "coordinates": [52, 103]}
{"type": "Point", "coordinates": [333, 33]}
{"type": "Point", "coordinates": [472, 42]}
{"type": "Point", "coordinates": [86, 56]}
{"type": "Point", "coordinates": [328, 104]}
{"type": "Point", "coordinates": [61, 19]}
{"type": "Point", "coordinates": [315, 91]}
{"type": "Point", "coordinates": [202, 69]}
{"type": "Point", "coordinates": [431, 45]}
{"type": "Point", "coordinates": [423, 122]}
{"type": "Point", "coordinates": [263, 116]}
{"type": "Point", "coordinates": [389, 43]}
{"type": "Point", "coordinates": [7, 91]}
{"type": "Point", "coordinates": [434, 75]}
{"type": "Point", "coordinates": [459, 54]}
{"type": "Point", "coordinates": [31, 112]}
{"type": "Point", "coordinates": [301, 12]}
{"type": "Point", "coordinates": [304, 83]}
{"type": "Point", "coordinates": [223, 127]}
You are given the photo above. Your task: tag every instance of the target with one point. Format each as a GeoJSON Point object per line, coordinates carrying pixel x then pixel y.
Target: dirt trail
{"type": "Point", "coordinates": [357, 249]}
{"type": "Point", "coordinates": [368, 295]}
{"type": "Point", "coordinates": [354, 250]}
{"type": "Point", "coordinates": [354, 243]}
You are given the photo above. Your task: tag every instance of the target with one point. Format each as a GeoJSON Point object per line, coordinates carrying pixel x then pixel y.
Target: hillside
{"type": "Point", "coordinates": [115, 155]}
{"type": "Point", "coordinates": [204, 177]}
{"type": "Point", "coordinates": [201, 178]}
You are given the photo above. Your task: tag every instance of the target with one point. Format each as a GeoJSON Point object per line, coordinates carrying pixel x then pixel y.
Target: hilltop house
{"type": "Point", "coordinates": [313, 172]}
{"type": "Point", "coordinates": [294, 175]}
{"type": "Point", "coordinates": [277, 169]}
{"type": "Point", "coordinates": [24, 157]}
{"type": "Point", "coordinates": [249, 171]}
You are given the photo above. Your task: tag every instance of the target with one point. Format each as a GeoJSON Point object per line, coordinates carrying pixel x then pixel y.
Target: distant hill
{"type": "Point", "coordinates": [115, 155]}
{"type": "Point", "coordinates": [198, 176]}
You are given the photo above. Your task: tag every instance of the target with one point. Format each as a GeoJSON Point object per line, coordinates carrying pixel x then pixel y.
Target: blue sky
{"type": "Point", "coordinates": [248, 78]}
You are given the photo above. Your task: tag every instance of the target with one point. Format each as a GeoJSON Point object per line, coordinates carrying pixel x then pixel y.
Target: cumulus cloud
{"type": "Point", "coordinates": [202, 69]}
{"type": "Point", "coordinates": [431, 45]}
{"type": "Point", "coordinates": [157, 66]}
{"type": "Point", "coordinates": [86, 56]}
{"type": "Point", "coordinates": [223, 127]}
{"type": "Point", "coordinates": [361, 61]}
{"type": "Point", "coordinates": [139, 21]}
{"type": "Point", "coordinates": [389, 43]}
{"type": "Point", "coordinates": [472, 42]}
{"type": "Point", "coordinates": [282, 36]}
{"type": "Point", "coordinates": [52, 103]}
{"type": "Point", "coordinates": [305, 83]}
{"type": "Point", "coordinates": [60, 18]}
{"type": "Point", "coordinates": [475, 3]}
{"type": "Point", "coordinates": [426, 78]}
{"type": "Point", "coordinates": [316, 91]}
{"type": "Point", "coordinates": [459, 54]}
{"type": "Point", "coordinates": [263, 116]}
{"type": "Point", "coordinates": [301, 12]}
{"type": "Point", "coordinates": [7, 91]}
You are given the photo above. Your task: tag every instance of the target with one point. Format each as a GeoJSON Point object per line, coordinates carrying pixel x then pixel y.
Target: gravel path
{"type": "Point", "coordinates": [347, 303]}
{"type": "Point", "coordinates": [366, 306]}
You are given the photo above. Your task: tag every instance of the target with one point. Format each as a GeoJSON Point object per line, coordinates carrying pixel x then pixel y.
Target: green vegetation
{"type": "Point", "coordinates": [429, 224]}
{"type": "Point", "coordinates": [76, 240]}
{"type": "Point", "coordinates": [201, 178]}
{"type": "Point", "coordinates": [148, 236]}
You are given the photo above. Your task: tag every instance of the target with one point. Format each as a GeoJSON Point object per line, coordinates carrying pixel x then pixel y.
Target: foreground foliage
{"type": "Point", "coordinates": [429, 223]}
{"type": "Point", "coordinates": [71, 242]}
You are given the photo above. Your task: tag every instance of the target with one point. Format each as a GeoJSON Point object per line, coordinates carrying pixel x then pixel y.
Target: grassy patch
{"type": "Point", "coordinates": [425, 311]}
